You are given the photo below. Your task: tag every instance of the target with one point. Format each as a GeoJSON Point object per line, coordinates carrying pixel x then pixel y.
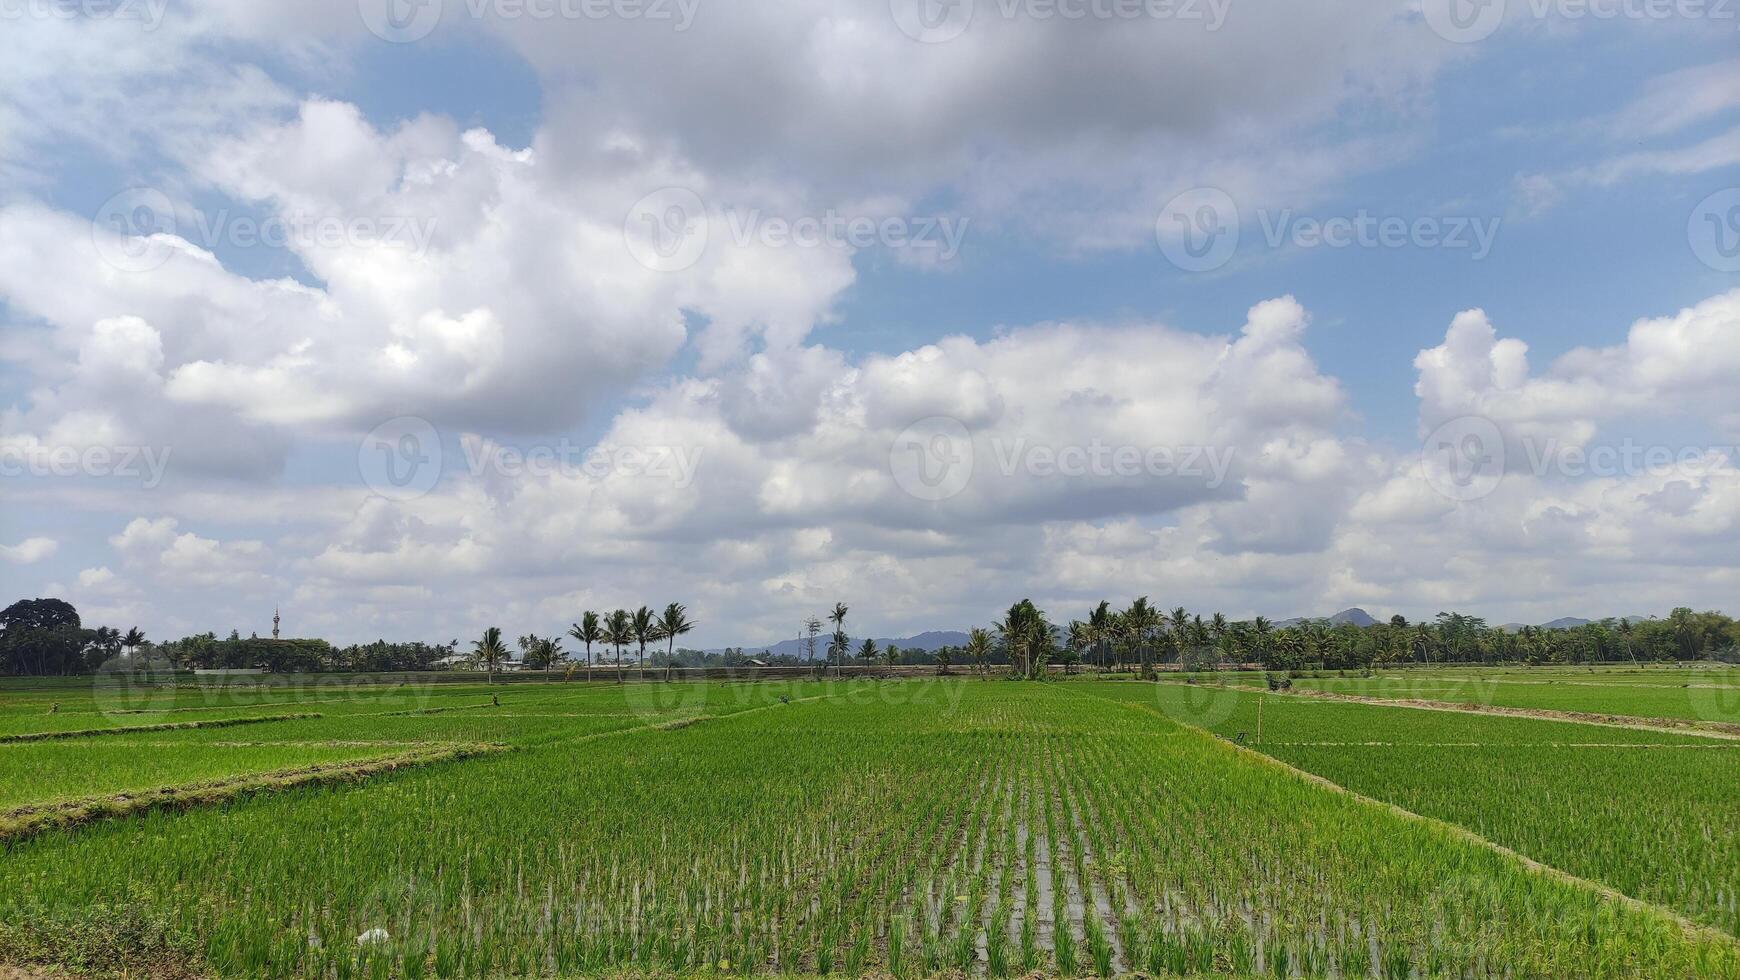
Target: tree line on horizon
{"type": "Point", "coordinates": [45, 637]}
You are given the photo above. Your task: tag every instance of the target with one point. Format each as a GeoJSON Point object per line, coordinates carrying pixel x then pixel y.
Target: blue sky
{"type": "Point", "coordinates": [526, 150]}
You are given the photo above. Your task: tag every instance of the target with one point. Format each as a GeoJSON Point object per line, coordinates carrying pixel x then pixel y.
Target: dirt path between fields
{"type": "Point", "coordinates": [21, 822]}
{"type": "Point", "coordinates": [1680, 726]}
{"type": "Point", "coordinates": [165, 727]}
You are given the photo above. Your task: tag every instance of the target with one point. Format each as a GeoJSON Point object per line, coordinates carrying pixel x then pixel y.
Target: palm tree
{"type": "Point", "coordinates": [550, 651]}
{"type": "Point", "coordinates": [587, 631]}
{"type": "Point", "coordinates": [838, 616]}
{"type": "Point", "coordinates": [1625, 631]}
{"type": "Point", "coordinates": [1027, 637]}
{"type": "Point", "coordinates": [979, 647]}
{"type": "Point", "coordinates": [1141, 623]}
{"type": "Point", "coordinates": [1099, 626]}
{"type": "Point", "coordinates": [867, 652]}
{"type": "Point", "coordinates": [1179, 623]}
{"type": "Point", "coordinates": [1260, 628]}
{"type": "Point", "coordinates": [1423, 640]}
{"type": "Point", "coordinates": [674, 623]}
{"type": "Point", "coordinates": [619, 633]}
{"type": "Point", "coordinates": [645, 629]}
{"type": "Point", "coordinates": [133, 640]}
{"type": "Point", "coordinates": [1079, 637]}
{"type": "Point", "coordinates": [490, 650]}
{"type": "Point", "coordinates": [1685, 632]}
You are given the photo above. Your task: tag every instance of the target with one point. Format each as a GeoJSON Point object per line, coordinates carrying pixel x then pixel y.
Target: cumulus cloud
{"type": "Point", "coordinates": [797, 480]}
{"type": "Point", "coordinates": [167, 555]}
{"type": "Point", "coordinates": [1672, 365]}
{"type": "Point", "coordinates": [455, 275]}
{"type": "Point", "coordinates": [29, 551]}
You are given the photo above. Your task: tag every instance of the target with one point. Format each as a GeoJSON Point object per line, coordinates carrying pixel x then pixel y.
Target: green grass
{"type": "Point", "coordinates": [1704, 694]}
{"type": "Point", "coordinates": [1654, 815]}
{"type": "Point", "coordinates": [48, 772]}
{"type": "Point", "coordinates": [901, 826]}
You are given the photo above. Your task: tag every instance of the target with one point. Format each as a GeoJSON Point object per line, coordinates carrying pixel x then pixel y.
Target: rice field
{"type": "Point", "coordinates": [1708, 693]}
{"type": "Point", "coordinates": [948, 826]}
{"type": "Point", "coordinates": [1653, 814]}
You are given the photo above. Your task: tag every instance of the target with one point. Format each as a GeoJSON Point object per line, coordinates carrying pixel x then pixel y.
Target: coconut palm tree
{"type": "Point", "coordinates": [587, 631]}
{"type": "Point", "coordinates": [1625, 632]}
{"type": "Point", "coordinates": [674, 623]}
{"type": "Point", "coordinates": [979, 647]}
{"type": "Point", "coordinates": [549, 650]}
{"type": "Point", "coordinates": [867, 652]}
{"type": "Point", "coordinates": [1141, 623]}
{"type": "Point", "coordinates": [490, 651]}
{"type": "Point", "coordinates": [838, 617]}
{"type": "Point", "coordinates": [133, 640]}
{"type": "Point", "coordinates": [619, 633]}
{"type": "Point", "coordinates": [1178, 625]}
{"type": "Point", "coordinates": [645, 631]}
{"type": "Point", "coordinates": [1261, 630]}
{"type": "Point", "coordinates": [1027, 637]}
{"type": "Point", "coordinates": [1218, 636]}
{"type": "Point", "coordinates": [1099, 626]}
{"type": "Point", "coordinates": [1423, 640]}
{"type": "Point", "coordinates": [1079, 637]}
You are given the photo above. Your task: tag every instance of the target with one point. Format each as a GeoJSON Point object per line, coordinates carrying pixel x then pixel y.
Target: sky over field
{"type": "Point", "coordinates": [412, 317]}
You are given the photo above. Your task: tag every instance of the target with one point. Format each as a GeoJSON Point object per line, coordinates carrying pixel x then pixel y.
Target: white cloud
{"type": "Point", "coordinates": [158, 548]}
{"type": "Point", "coordinates": [29, 551]}
{"type": "Point", "coordinates": [1673, 365]}
{"type": "Point", "coordinates": [524, 307]}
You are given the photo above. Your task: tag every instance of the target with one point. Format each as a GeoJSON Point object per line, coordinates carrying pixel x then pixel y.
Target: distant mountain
{"type": "Point", "coordinates": [1354, 615]}
{"type": "Point", "coordinates": [1569, 623]}
{"type": "Point", "coordinates": [926, 641]}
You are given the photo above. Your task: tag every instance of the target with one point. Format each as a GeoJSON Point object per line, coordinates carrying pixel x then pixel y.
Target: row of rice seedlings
{"type": "Point", "coordinates": [1300, 911]}
{"type": "Point", "coordinates": [1660, 825]}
